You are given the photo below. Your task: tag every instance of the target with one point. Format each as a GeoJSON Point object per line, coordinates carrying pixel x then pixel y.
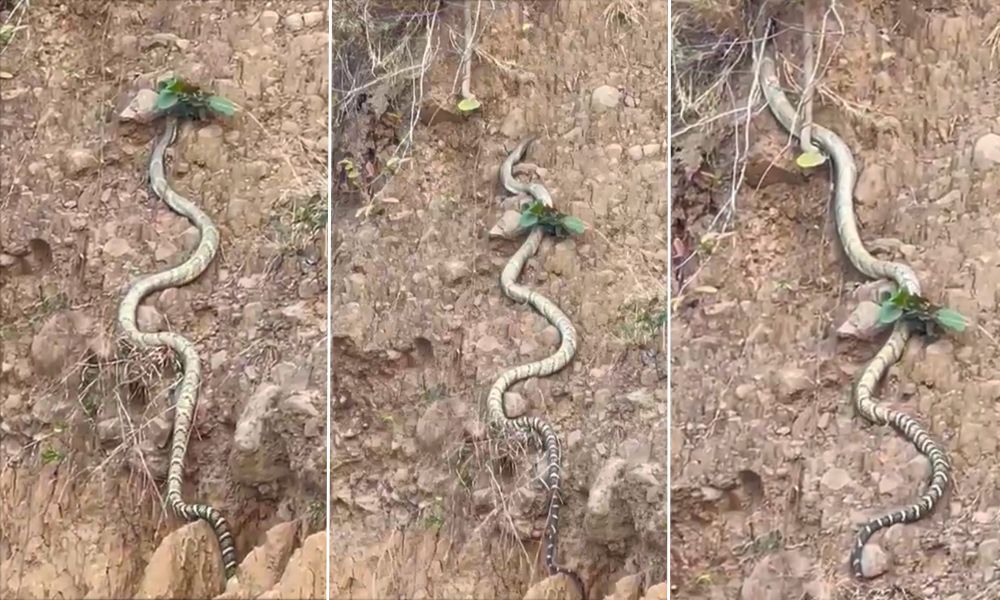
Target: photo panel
{"type": "Point", "coordinates": [832, 313]}
{"type": "Point", "coordinates": [164, 192]}
{"type": "Point", "coordinates": [498, 299]}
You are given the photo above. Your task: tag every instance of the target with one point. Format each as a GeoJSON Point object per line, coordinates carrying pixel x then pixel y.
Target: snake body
{"type": "Point", "coordinates": [526, 426]}
{"type": "Point", "coordinates": [187, 392]}
{"type": "Point", "coordinates": [844, 179]}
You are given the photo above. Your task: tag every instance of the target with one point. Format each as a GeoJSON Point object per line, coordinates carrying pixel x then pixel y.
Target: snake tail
{"type": "Point", "coordinates": [844, 178]}
{"type": "Point", "coordinates": [534, 427]}
{"type": "Point", "coordinates": [187, 392]}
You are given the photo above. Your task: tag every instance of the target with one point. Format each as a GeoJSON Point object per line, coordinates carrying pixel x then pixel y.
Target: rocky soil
{"type": "Point", "coordinates": [86, 420]}
{"type": "Point", "coordinates": [420, 327]}
{"type": "Point", "coordinates": [772, 470]}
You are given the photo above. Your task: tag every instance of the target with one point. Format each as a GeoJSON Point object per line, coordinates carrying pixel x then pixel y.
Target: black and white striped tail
{"type": "Point", "coordinates": [940, 469]}
{"type": "Point", "coordinates": [194, 512]}
{"type": "Point", "coordinates": [553, 456]}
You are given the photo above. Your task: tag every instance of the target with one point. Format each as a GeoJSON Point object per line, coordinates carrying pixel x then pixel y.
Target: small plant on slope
{"type": "Point", "coordinates": [903, 305]}
{"type": "Point", "coordinates": [187, 101]}
{"type": "Point", "coordinates": [551, 220]}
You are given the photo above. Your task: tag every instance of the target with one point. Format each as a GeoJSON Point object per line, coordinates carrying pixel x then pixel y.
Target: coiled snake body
{"type": "Point", "coordinates": [526, 426]}
{"type": "Point", "coordinates": [844, 178]}
{"type": "Point", "coordinates": [187, 392]}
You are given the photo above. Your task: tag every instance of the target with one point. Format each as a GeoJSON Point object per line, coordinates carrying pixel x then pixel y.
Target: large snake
{"type": "Point", "coordinates": [186, 394]}
{"type": "Point", "coordinates": [525, 426]}
{"type": "Point", "coordinates": [844, 177]}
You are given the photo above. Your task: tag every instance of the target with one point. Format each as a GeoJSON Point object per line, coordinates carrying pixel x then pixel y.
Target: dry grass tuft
{"type": "Point", "coordinates": [382, 52]}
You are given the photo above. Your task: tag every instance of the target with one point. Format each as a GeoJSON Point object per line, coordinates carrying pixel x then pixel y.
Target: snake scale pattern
{"type": "Point", "coordinates": [186, 394]}
{"type": "Point", "coordinates": [844, 176]}
{"type": "Point", "coordinates": [534, 427]}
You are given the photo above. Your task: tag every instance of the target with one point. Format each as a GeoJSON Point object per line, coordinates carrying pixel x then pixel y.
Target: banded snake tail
{"type": "Point", "coordinates": [186, 394]}
{"type": "Point", "coordinates": [844, 175]}
{"type": "Point", "coordinates": [526, 426]}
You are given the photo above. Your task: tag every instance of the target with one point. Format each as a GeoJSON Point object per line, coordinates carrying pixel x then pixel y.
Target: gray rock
{"type": "Point", "coordinates": [862, 323]}
{"type": "Point", "coordinates": [268, 19]}
{"type": "Point", "coordinates": [313, 18]}
{"type": "Point", "coordinates": [986, 152]}
{"type": "Point", "coordinates": [605, 98]}
{"type": "Point", "coordinates": [294, 22]}
{"type": "Point", "coordinates": [433, 426]}
{"type": "Point", "coordinates": [252, 460]}
{"type": "Point", "coordinates": [77, 161]}
{"type": "Point", "coordinates": [792, 380]}
{"type": "Point", "coordinates": [874, 560]}
{"type": "Point", "coordinates": [148, 319]}
{"type": "Point", "coordinates": [604, 520]}
{"type": "Point", "coordinates": [141, 108]}
{"type": "Point", "coordinates": [508, 227]}
{"type": "Point", "coordinates": [109, 431]}
{"type": "Point", "coordinates": [627, 588]}
{"type": "Point", "coordinates": [454, 270]}
{"type": "Point", "coordinates": [514, 404]}
{"type": "Point", "coordinates": [158, 431]}
{"type": "Point", "coordinates": [835, 479]}
{"type": "Point", "coordinates": [351, 320]}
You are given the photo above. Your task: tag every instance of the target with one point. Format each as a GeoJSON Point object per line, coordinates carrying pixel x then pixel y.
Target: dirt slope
{"type": "Point", "coordinates": [421, 327]}
{"type": "Point", "coordinates": [772, 469]}
{"type": "Point", "coordinates": [84, 420]}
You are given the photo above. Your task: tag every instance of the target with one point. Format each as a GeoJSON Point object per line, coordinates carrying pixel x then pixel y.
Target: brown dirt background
{"type": "Point", "coordinates": [771, 468]}
{"type": "Point", "coordinates": [80, 465]}
{"type": "Point", "coordinates": [421, 328]}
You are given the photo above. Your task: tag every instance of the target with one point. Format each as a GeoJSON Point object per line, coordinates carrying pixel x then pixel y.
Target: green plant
{"type": "Point", "coordinates": [51, 455]}
{"type": "Point", "coordinates": [7, 32]}
{"type": "Point", "coordinates": [904, 305]}
{"type": "Point", "coordinates": [312, 215]}
{"type": "Point", "coordinates": [188, 101]}
{"type": "Point", "coordinates": [434, 519]}
{"type": "Point", "coordinates": [351, 172]}
{"type": "Point", "coordinates": [468, 105]}
{"type": "Point", "coordinates": [551, 220]}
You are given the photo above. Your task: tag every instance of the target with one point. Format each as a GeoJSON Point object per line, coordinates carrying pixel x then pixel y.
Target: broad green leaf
{"type": "Point", "coordinates": [50, 456]}
{"type": "Point", "coordinates": [528, 219]}
{"type": "Point", "coordinates": [809, 160]}
{"type": "Point", "coordinates": [166, 99]}
{"type": "Point", "coordinates": [572, 224]}
{"type": "Point", "coordinates": [467, 105]}
{"type": "Point", "coordinates": [6, 32]}
{"type": "Point", "coordinates": [221, 105]}
{"type": "Point", "coordinates": [950, 319]}
{"type": "Point", "coordinates": [889, 313]}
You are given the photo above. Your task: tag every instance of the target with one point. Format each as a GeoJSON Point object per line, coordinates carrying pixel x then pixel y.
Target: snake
{"type": "Point", "coordinates": [843, 180]}
{"type": "Point", "coordinates": [186, 394]}
{"type": "Point", "coordinates": [532, 427]}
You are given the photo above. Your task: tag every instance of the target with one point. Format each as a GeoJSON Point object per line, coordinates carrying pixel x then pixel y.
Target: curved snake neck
{"type": "Point", "coordinates": [844, 179]}
{"type": "Point", "coordinates": [186, 394]}
{"type": "Point", "coordinates": [525, 426]}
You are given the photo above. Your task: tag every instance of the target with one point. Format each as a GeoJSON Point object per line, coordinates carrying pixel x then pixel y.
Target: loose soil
{"type": "Point", "coordinates": [772, 470]}
{"type": "Point", "coordinates": [421, 328]}
{"type": "Point", "coordinates": [86, 420]}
